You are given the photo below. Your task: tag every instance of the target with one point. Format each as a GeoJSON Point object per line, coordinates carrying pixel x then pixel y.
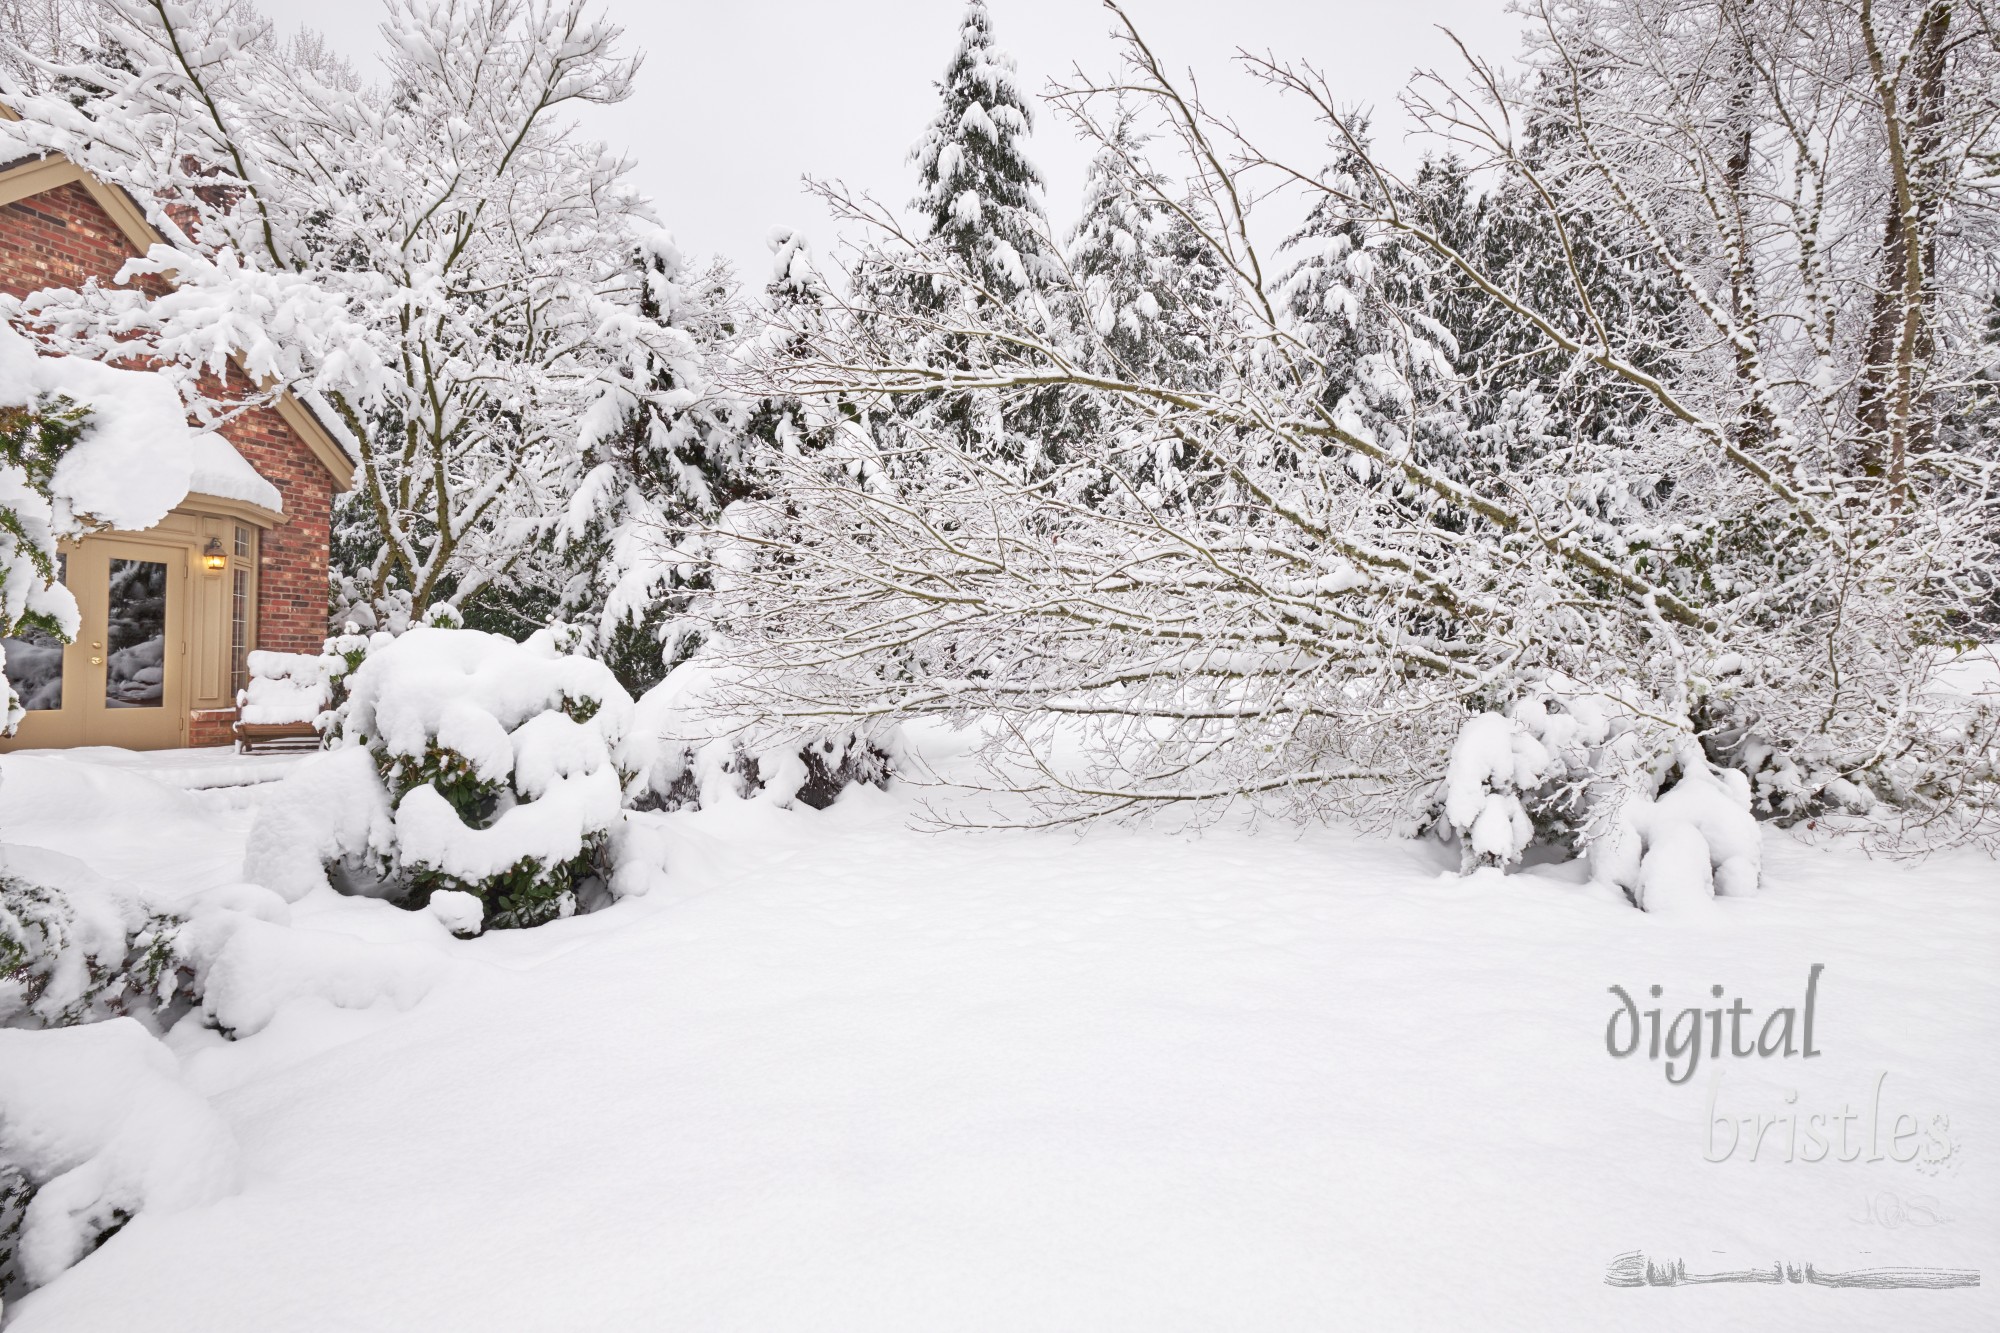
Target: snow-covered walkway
{"type": "Point", "coordinates": [846, 1075]}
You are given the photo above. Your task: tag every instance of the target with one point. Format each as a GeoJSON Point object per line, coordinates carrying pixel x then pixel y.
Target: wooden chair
{"type": "Point", "coordinates": [276, 709]}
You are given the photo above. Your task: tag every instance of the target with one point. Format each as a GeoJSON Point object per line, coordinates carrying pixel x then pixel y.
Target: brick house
{"type": "Point", "coordinates": [169, 613]}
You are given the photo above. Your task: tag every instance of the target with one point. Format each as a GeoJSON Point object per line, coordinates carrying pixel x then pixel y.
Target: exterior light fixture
{"type": "Point", "coordinates": [213, 556]}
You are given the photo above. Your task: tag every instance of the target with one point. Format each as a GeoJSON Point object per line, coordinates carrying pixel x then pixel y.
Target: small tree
{"type": "Point", "coordinates": [37, 614]}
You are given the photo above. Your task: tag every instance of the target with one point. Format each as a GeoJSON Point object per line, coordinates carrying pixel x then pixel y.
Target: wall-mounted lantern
{"type": "Point", "coordinates": [213, 556]}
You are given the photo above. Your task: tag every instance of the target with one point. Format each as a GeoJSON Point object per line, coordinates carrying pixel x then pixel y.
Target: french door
{"type": "Point", "coordinates": [122, 682]}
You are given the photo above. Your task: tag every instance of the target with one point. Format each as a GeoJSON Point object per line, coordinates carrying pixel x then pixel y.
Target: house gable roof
{"type": "Point", "coordinates": [32, 176]}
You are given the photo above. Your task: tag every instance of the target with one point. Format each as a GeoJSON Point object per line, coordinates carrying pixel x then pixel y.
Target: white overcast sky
{"type": "Point", "coordinates": [740, 98]}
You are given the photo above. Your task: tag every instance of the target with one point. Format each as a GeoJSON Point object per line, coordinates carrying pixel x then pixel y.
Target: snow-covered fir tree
{"type": "Point", "coordinates": [1141, 300]}
{"type": "Point", "coordinates": [980, 242]}
{"type": "Point", "coordinates": [1114, 254]}
{"type": "Point", "coordinates": [665, 453]}
{"type": "Point", "coordinates": [1382, 363]}
{"type": "Point", "coordinates": [978, 195]}
{"type": "Point", "coordinates": [1147, 289]}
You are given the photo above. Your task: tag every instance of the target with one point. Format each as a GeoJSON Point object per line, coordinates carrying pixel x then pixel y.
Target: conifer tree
{"type": "Point", "coordinates": [977, 193]}
{"type": "Point", "coordinates": [1114, 259]}
{"type": "Point", "coordinates": [985, 246]}
{"type": "Point", "coordinates": [1354, 292]}
{"type": "Point", "coordinates": [1143, 294]}
{"type": "Point", "coordinates": [667, 454]}
{"type": "Point", "coordinates": [1146, 285]}
{"type": "Point", "coordinates": [797, 308]}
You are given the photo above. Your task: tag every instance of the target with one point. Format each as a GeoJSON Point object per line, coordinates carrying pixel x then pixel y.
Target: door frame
{"type": "Point", "coordinates": [83, 717]}
{"type": "Point", "coordinates": [151, 728]}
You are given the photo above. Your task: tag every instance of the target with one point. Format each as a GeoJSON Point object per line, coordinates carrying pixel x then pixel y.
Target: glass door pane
{"type": "Point", "coordinates": [35, 668]}
{"type": "Point", "coordinates": [136, 635]}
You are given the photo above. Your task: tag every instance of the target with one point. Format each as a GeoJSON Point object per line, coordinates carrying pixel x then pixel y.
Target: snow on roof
{"type": "Point", "coordinates": [138, 457]}
{"type": "Point", "coordinates": [329, 421]}
{"type": "Point", "coordinates": [225, 474]}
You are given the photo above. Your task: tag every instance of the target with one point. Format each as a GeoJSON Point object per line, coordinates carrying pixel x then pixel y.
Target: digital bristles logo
{"type": "Point", "coordinates": [1783, 1034]}
{"type": "Point", "coordinates": [1863, 1132]}
{"type": "Point", "coordinates": [1634, 1269]}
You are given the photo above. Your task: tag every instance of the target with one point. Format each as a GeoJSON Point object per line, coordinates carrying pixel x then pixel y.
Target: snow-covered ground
{"type": "Point", "coordinates": [840, 1073]}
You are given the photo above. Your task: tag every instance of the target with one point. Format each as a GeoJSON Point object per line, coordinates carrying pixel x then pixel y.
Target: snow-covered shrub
{"type": "Point", "coordinates": [489, 780]}
{"type": "Point", "coordinates": [470, 764]}
{"type": "Point", "coordinates": [1674, 851]}
{"type": "Point", "coordinates": [340, 657]}
{"type": "Point", "coordinates": [1577, 770]}
{"type": "Point", "coordinates": [1493, 761]}
{"type": "Point", "coordinates": [96, 1127]}
{"type": "Point", "coordinates": [1530, 776]}
{"type": "Point", "coordinates": [76, 948]}
{"type": "Point", "coordinates": [693, 746]}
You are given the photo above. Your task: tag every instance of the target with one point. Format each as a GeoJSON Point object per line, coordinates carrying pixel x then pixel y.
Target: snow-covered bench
{"type": "Point", "coordinates": [276, 709]}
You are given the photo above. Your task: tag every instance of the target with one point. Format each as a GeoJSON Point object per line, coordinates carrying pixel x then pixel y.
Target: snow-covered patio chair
{"type": "Point", "coordinates": [276, 710]}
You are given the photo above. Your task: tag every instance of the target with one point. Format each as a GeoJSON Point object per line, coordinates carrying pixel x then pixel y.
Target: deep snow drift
{"type": "Point", "coordinates": [836, 1073]}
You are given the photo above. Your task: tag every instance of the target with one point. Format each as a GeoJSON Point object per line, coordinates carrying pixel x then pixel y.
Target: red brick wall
{"type": "Point", "coordinates": [292, 557]}
{"type": "Point", "coordinates": [58, 239]}
{"type": "Point", "coordinates": [61, 238]}
{"type": "Point", "coordinates": [212, 726]}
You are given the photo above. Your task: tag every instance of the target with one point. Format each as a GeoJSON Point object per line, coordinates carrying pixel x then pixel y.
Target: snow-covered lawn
{"type": "Point", "coordinates": [839, 1073]}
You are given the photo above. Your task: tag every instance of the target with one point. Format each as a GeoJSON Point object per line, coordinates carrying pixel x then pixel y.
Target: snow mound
{"type": "Point", "coordinates": [54, 789]}
{"type": "Point", "coordinates": [461, 913]}
{"type": "Point", "coordinates": [100, 1125]}
{"type": "Point", "coordinates": [262, 966]}
{"type": "Point", "coordinates": [1675, 853]}
{"type": "Point", "coordinates": [330, 810]}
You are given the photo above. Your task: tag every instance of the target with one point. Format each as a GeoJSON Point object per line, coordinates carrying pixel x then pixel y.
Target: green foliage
{"type": "Point", "coordinates": [528, 893]}
{"type": "Point", "coordinates": [100, 962]}
{"type": "Point", "coordinates": [977, 191]}
{"type": "Point", "coordinates": [34, 440]}
{"type": "Point", "coordinates": [16, 1193]}
{"type": "Point", "coordinates": [342, 656]}
{"type": "Point", "coordinates": [450, 773]}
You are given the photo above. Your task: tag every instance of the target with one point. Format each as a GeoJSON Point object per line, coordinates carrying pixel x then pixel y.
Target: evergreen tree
{"type": "Point", "coordinates": [666, 455]}
{"type": "Point", "coordinates": [1357, 294]}
{"type": "Point", "coordinates": [1147, 286]}
{"type": "Point", "coordinates": [1114, 257]}
{"type": "Point", "coordinates": [1144, 295]}
{"type": "Point", "coordinates": [1517, 239]}
{"type": "Point", "coordinates": [985, 248]}
{"type": "Point", "coordinates": [977, 193]}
